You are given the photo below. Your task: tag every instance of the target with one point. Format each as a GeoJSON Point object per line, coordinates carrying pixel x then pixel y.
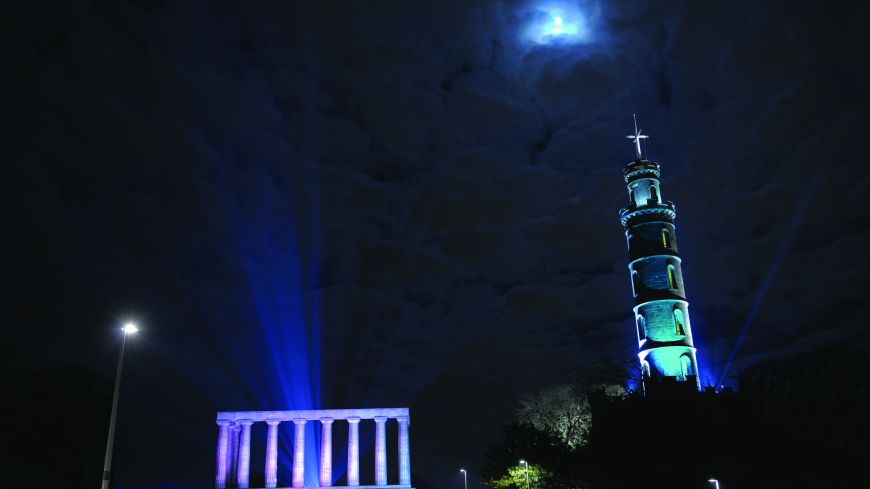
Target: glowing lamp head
{"type": "Point", "coordinates": [523, 462]}
{"type": "Point", "coordinates": [129, 328]}
{"type": "Point", "coordinates": [462, 470]}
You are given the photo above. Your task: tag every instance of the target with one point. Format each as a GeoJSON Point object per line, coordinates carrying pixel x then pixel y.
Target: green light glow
{"type": "Point", "coordinates": [669, 360]}
{"type": "Point", "coordinates": [516, 477]}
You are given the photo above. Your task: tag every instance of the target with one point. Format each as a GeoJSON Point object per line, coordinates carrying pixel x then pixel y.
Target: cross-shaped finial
{"type": "Point", "coordinates": [636, 137]}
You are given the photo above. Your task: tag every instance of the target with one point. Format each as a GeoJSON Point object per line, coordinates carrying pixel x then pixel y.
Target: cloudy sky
{"type": "Point", "coordinates": [372, 204]}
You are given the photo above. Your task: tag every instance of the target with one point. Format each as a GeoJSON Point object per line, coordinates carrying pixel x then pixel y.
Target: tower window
{"type": "Point", "coordinates": [679, 322]}
{"type": "Point", "coordinates": [672, 277]}
{"type": "Point", "coordinates": [635, 283]}
{"type": "Point", "coordinates": [666, 238]}
{"type": "Point", "coordinates": [641, 329]}
{"type": "Point", "coordinates": [686, 367]}
{"type": "Point", "coordinates": [631, 197]}
{"type": "Point", "coordinates": [653, 194]}
{"type": "Point", "coordinates": [644, 369]}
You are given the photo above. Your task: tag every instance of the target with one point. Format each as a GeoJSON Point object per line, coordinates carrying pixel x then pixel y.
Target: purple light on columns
{"type": "Point", "coordinates": [326, 452]}
{"type": "Point", "coordinates": [404, 451]}
{"type": "Point", "coordinates": [244, 470]}
{"type": "Point", "coordinates": [234, 452]}
{"type": "Point", "coordinates": [220, 478]}
{"type": "Point", "coordinates": [272, 453]}
{"type": "Point", "coordinates": [299, 453]}
{"type": "Point", "coordinates": [380, 450]}
{"type": "Point", "coordinates": [353, 451]}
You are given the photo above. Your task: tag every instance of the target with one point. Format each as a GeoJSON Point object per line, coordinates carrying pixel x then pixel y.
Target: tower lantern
{"type": "Point", "coordinates": [661, 311]}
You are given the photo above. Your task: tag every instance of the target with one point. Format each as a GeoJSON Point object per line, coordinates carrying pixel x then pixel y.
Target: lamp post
{"type": "Point", "coordinates": [128, 329]}
{"type": "Point", "coordinates": [715, 482]}
{"type": "Point", "coordinates": [464, 477]}
{"type": "Point", "coordinates": [528, 484]}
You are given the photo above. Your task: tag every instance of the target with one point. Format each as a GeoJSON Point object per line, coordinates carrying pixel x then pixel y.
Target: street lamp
{"type": "Point", "coordinates": [715, 482]}
{"type": "Point", "coordinates": [528, 484]}
{"type": "Point", "coordinates": [464, 477]}
{"type": "Point", "coordinates": [128, 329]}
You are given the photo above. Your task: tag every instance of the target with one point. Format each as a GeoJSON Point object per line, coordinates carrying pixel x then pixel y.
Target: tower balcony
{"type": "Point", "coordinates": [665, 210]}
{"type": "Point", "coordinates": [641, 169]}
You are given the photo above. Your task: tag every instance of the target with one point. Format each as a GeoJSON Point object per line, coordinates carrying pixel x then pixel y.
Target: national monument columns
{"type": "Point", "coordinates": [233, 461]}
{"type": "Point", "coordinates": [353, 451]}
{"type": "Point", "coordinates": [299, 453]}
{"type": "Point", "coordinates": [380, 450]}
{"type": "Point", "coordinates": [220, 481]}
{"type": "Point", "coordinates": [404, 451]}
{"type": "Point", "coordinates": [244, 465]}
{"type": "Point", "coordinates": [272, 453]}
{"type": "Point", "coordinates": [326, 452]}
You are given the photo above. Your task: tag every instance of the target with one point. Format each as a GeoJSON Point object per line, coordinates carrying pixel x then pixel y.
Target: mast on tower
{"type": "Point", "coordinates": [636, 137]}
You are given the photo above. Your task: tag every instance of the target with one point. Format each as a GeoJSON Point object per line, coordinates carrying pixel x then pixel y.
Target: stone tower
{"type": "Point", "coordinates": [661, 311]}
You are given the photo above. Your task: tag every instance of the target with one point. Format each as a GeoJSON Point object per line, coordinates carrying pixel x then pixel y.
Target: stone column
{"type": "Point", "coordinates": [272, 453]}
{"type": "Point", "coordinates": [326, 452]}
{"type": "Point", "coordinates": [220, 477]}
{"type": "Point", "coordinates": [404, 451]}
{"type": "Point", "coordinates": [353, 452]}
{"type": "Point", "coordinates": [244, 471]}
{"type": "Point", "coordinates": [299, 453]}
{"type": "Point", "coordinates": [380, 450]}
{"type": "Point", "coordinates": [234, 451]}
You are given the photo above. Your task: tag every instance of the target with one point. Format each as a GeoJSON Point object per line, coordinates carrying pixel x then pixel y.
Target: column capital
{"type": "Point", "coordinates": [273, 422]}
{"type": "Point", "coordinates": [326, 420]}
{"type": "Point", "coordinates": [245, 422]}
{"type": "Point", "coordinates": [300, 421]}
{"type": "Point", "coordinates": [403, 419]}
{"type": "Point", "coordinates": [223, 422]}
{"type": "Point", "coordinates": [380, 419]}
{"type": "Point", "coordinates": [353, 420]}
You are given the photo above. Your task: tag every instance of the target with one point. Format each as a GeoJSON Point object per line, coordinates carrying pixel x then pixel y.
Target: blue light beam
{"type": "Point", "coordinates": [796, 220]}
{"type": "Point", "coordinates": [288, 318]}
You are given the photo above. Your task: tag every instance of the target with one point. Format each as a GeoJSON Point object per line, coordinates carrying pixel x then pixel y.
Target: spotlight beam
{"type": "Point", "coordinates": [784, 245]}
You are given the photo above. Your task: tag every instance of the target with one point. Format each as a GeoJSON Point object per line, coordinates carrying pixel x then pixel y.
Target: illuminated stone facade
{"type": "Point", "coordinates": [661, 311]}
{"type": "Point", "coordinates": [234, 445]}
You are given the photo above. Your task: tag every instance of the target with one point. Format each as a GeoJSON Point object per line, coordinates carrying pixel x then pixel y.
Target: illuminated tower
{"type": "Point", "coordinates": [661, 312]}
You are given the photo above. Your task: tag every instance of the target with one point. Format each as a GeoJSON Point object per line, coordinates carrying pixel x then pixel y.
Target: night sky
{"type": "Point", "coordinates": [376, 204]}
